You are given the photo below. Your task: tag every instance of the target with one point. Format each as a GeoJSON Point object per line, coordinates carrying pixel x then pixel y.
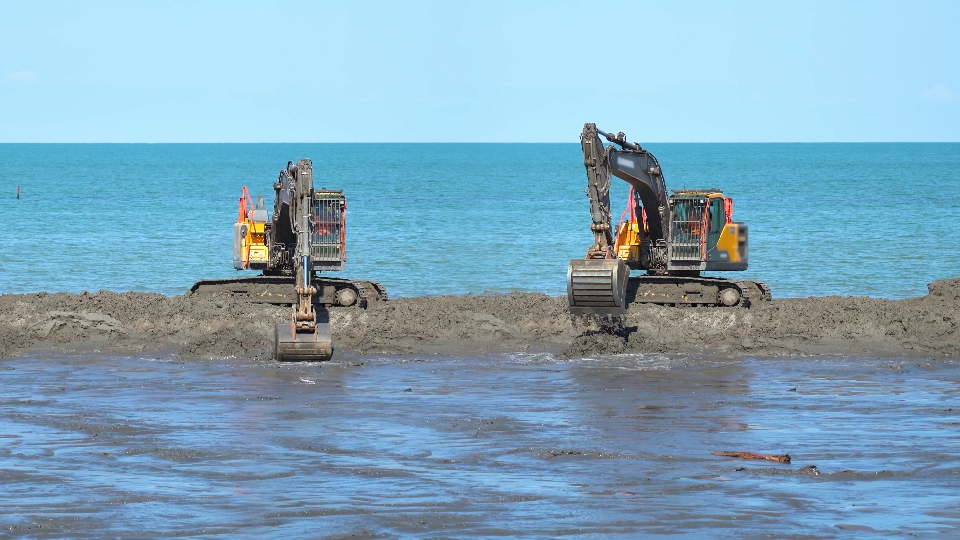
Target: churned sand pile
{"type": "Point", "coordinates": [213, 326]}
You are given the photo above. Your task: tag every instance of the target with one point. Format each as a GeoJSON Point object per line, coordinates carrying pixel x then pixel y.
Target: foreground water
{"type": "Point", "coordinates": [518, 445]}
{"type": "Point", "coordinates": [429, 219]}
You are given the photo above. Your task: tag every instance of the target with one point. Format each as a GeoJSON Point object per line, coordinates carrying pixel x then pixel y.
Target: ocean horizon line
{"type": "Point", "coordinates": [80, 143]}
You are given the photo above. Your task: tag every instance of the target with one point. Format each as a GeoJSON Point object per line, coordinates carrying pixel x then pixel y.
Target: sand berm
{"type": "Point", "coordinates": [218, 327]}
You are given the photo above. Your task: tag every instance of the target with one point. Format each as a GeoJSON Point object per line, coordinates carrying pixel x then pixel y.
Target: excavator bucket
{"type": "Point", "coordinates": [597, 286]}
{"type": "Point", "coordinates": [293, 346]}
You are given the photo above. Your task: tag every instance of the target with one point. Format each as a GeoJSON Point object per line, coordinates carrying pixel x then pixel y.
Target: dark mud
{"type": "Point", "coordinates": [524, 445]}
{"type": "Point", "coordinates": [216, 327]}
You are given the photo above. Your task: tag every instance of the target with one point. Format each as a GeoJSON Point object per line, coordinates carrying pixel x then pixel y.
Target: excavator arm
{"type": "Point", "coordinates": [598, 191]}
{"type": "Point", "coordinates": [305, 337]}
{"type": "Point", "coordinates": [598, 284]}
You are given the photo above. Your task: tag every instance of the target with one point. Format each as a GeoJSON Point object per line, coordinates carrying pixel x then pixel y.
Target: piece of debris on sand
{"type": "Point", "coordinates": [785, 458]}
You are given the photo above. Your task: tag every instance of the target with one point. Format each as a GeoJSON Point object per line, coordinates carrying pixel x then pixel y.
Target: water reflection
{"type": "Point", "coordinates": [518, 445]}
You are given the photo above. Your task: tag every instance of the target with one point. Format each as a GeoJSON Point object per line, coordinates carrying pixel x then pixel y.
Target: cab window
{"type": "Point", "coordinates": [717, 216]}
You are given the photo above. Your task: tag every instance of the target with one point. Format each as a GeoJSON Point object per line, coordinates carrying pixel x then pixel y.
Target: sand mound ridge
{"type": "Point", "coordinates": [216, 327]}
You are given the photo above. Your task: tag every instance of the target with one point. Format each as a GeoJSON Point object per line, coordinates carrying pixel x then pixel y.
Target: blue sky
{"type": "Point", "coordinates": [478, 71]}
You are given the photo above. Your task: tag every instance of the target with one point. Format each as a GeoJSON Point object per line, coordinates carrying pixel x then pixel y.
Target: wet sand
{"type": "Point", "coordinates": [526, 445]}
{"type": "Point", "coordinates": [218, 327]}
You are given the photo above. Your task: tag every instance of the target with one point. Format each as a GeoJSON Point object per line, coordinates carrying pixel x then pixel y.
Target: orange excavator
{"type": "Point", "coordinates": [304, 236]}
{"type": "Point", "coordinates": [672, 238]}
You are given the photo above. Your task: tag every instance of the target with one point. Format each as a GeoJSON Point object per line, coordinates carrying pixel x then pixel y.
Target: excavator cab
{"type": "Point", "coordinates": [702, 236]}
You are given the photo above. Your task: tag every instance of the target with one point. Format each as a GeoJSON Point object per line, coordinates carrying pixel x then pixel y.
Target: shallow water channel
{"type": "Point", "coordinates": [525, 445]}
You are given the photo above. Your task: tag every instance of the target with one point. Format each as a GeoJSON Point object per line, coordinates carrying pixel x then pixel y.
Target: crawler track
{"type": "Point", "coordinates": [281, 290]}
{"type": "Point", "coordinates": [604, 287]}
{"type": "Point", "coordinates": [695, 291]}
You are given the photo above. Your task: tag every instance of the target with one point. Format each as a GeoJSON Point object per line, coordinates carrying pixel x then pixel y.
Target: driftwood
{"type": "Point", "coordinates": [750, 455]}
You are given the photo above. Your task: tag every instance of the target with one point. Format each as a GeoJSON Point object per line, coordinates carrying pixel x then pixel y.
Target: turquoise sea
{"type": "Point", "coordinates": [430, 219]}
{"type": "Point", "coordinates": [521, 445]}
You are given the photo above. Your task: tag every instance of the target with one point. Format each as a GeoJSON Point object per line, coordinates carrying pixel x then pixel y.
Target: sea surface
{"type": "Point", "coordinates": [434, 219]}
{"type": "Point", "coordinates": [518, 446]}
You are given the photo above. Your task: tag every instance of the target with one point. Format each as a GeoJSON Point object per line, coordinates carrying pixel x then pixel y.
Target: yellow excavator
{"type": "Point", "coordinates": [673, 238]}
{"type": "Point", "coordinates": [305, 235]}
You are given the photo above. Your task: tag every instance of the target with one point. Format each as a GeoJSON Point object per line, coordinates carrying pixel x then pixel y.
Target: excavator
{"type": "Point", "coordinates": [305, 235]}
{"type": "Point", "coordinates": [673, 238]}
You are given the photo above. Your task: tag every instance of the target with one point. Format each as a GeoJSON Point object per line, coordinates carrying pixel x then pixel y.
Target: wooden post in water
{"type": "Point", "coordinates": [18, 192]}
